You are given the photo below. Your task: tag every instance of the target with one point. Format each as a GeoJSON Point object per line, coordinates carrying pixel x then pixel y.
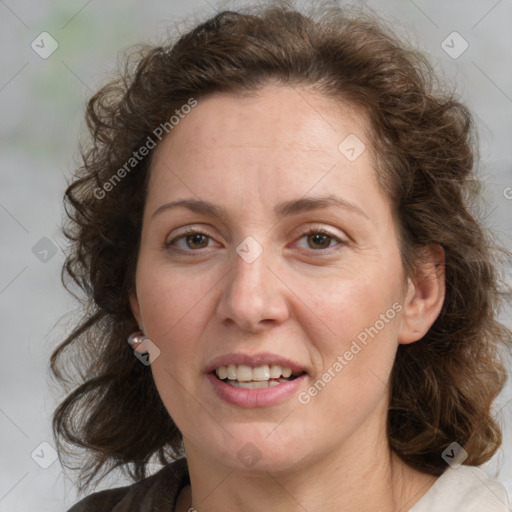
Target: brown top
{"type": "Point", "coordinates": [157, 493]}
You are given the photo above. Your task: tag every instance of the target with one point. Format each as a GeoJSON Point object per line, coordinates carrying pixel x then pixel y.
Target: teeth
{"type": "Point", "coordinates": [255, 384]}
{"type": "Point", "coordinates": [275, 371]}
{"type": "Point", "coordinates": [231, 372]}
{"type": "Point", "coordinates": [243, 373]}
{"type": "Point", "coordinates": [260, 374]}
{"type": "Point", "coordinates": [222, 373]}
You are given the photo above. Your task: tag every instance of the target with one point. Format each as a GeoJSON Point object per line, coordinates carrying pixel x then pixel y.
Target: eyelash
{"type": "Point", "coordinates": [313, 230]}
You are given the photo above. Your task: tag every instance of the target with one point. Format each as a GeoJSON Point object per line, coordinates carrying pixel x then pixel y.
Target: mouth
{"type": "Point", "coordinates": [259, 377]}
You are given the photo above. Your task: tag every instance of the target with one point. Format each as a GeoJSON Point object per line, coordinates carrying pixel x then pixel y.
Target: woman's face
{"type": "Point", "coordinates": [284, 255]}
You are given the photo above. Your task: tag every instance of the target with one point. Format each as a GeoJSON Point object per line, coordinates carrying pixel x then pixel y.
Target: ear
{"type": "Point", "coordinates": [425, 295]}
{"type": "Point", "coordinates": [135, 307]}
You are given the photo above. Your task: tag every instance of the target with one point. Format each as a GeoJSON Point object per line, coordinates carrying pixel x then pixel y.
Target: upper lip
{"type": "Point", "coordinates": [254, 360]}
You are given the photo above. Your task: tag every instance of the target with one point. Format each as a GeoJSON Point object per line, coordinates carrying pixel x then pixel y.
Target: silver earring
{"type": "Point", "coordinates": [135, 339]}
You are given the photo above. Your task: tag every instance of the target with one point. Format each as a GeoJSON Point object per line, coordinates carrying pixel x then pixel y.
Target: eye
{"type": "Point", "coordinates": [319, 240]}
{"type": "Point", "coordinates": [316, 239]}
{"type": "Point", "coordinates": [190, 240]}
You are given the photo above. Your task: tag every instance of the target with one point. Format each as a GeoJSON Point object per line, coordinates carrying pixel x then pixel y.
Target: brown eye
{"type": "Point", "coordinates": [319, 240]}
{"type": "Point", "coordinates": [190, 241]}
{"type": "Point", "coordinates": [196, 241]}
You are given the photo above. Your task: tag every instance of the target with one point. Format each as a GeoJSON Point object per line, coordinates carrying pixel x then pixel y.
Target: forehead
{"type": "Point", "coordinates": [277, 141]}
{"type": "Point", "coordinates": [303, 118]}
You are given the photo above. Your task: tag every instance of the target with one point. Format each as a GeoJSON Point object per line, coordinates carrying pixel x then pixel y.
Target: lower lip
{"type": "Point", "coordinates": [252, 398]}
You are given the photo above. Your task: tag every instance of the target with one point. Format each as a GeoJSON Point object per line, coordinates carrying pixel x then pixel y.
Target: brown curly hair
{"type": "Point", "coordinates": [442, 386]}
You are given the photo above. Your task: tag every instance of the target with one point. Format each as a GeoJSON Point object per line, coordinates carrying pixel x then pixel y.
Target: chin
{"type": "Point", "coordinates": [259, 453]}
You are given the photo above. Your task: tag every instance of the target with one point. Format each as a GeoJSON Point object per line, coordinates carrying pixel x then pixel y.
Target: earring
{"type": "Point", "coordinates": [135, 339]}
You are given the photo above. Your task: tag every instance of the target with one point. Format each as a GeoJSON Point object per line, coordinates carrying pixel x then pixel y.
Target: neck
{"type": "Point", "coordinates": [368, 479]}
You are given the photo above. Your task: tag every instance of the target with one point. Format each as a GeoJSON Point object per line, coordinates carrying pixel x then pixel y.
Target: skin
{"type": "Point", "coordinates": [302, 299]}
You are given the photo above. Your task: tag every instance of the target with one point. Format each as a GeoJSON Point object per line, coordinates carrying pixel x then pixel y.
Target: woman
{"type": "Point", "coordinates": [274, 213]}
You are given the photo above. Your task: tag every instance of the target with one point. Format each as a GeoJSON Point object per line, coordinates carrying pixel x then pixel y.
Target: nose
{"type": "Point", "coordinates": [254, 296]}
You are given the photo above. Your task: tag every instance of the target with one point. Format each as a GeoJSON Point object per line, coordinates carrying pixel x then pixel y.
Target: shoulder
{"type": "Point", "coordinates": [157, 492]}
{"type": "Point", "coordinates": [466, 488]}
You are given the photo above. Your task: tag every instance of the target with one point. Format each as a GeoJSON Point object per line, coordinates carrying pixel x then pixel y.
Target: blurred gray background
{"type": "Point", "coordinates": [43, 89]}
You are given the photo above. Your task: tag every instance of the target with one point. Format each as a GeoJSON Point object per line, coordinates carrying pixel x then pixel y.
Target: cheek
{"type": "Point", "coordinates": [174, 308]}
{"type": "Point", "coordinates": [344, 307]}
{"type": "Point", "coordinates": [353, 323]}
{"type": "Point", "coordinates": [174, 304]}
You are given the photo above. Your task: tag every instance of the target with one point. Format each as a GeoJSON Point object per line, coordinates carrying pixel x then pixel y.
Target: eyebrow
{"type": "Point", "coordinates": [288, 208]}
